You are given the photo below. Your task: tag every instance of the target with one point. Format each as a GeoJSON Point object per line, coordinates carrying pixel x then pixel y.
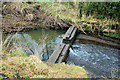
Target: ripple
{"type": "Point", "coordinates": [95, 58]}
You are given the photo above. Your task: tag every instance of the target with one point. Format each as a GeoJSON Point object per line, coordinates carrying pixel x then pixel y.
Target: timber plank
{"type": "Point", "coordinates": [68, 33]}
{"type": "Point", "coordinates": [53, 58]}
{"type": "Point", "coordinates": [54, 55]}
{"type": "Point", "coordinates": [64, 54]}
{"type": "Point", "coordinates": [61, 58]}
{"type": "Point", "coordinates": [61, 51]}
{"type": "Point", "coordinates": [65, 49]}
{"type": "Point", "coordinates": [73, 33]}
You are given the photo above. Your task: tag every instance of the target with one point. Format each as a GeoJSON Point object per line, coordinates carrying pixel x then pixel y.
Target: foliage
{"type": "Point", "coordinates": [71, 4]}
{"type": "Point", "coordinates": [102, 10]}
{"type": "Point", "coordinates": [114, 35]}
{"type": "Point", "coordinates": [70, 19]}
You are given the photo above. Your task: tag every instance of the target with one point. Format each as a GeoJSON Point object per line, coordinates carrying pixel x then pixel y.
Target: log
{"type": "Point", "coordinates": [97, 41]}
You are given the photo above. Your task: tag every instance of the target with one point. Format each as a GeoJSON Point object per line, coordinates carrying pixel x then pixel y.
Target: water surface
{"type": "Point", "coordinates": [41, 42]}
{"type": "Point", "coordinates": [98, 60]}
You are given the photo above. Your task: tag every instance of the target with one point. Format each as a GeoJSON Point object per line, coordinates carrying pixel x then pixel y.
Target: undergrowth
{"type": "Point", "coordinates": [18, 66]}
{"type": "Point", "coordinates": [71, 12]}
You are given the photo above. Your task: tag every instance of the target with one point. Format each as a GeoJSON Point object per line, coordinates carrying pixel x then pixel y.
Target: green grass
{"type": "Point", "coordinates": [114, 35]}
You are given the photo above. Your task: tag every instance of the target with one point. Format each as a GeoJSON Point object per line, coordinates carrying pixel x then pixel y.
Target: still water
{"type": "Point", "coordinates": [40, 42]}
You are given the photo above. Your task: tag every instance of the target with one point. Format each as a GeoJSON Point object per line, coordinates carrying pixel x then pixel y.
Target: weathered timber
{"type": "Point", "coordinates": [70, 35]}
{"type": "Point", "coordinates": [64, 54]}
{"type": "Point", "coordinates": [73, 33]}
{"type": "Point", "coordinates": [53, 58]}
{"type": "Point", "coordinates": [61, 50]}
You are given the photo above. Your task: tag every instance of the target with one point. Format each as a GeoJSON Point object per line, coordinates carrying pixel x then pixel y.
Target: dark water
{"type": "Point", "coordinates": [99, 61]}
{"type": "Point", "coordinates": [41, 42]}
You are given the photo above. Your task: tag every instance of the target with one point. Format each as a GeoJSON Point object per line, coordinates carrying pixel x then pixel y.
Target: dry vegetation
{"type": "Point", "coordinates": [23, 16]}
{"type": "Point", "coordinates": [27, 16]}
{"type": "Point", "coordinates": [85, 22]}
{"type": "Point", "coordinates": [18, 65]}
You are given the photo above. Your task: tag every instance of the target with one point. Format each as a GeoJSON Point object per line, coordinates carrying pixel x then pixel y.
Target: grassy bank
{"type": "Point", "coordinates": [15, 63]}
{"type": "Point", "coordinates": [21, 16]}
{"type": "Point", "coordinates": [24, 17]}
{"type": "Point", "coordinates": [18, 65]}
{"type": "Point", "coordinates": [109, 27]}
{"type": "Point", "coordinates": [54, 15]}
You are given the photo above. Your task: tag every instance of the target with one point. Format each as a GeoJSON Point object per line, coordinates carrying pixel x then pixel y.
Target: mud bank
{"type": "Point", "coordinates": [16, 17]}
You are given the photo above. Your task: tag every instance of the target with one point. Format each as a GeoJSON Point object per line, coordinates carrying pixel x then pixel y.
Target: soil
{"type": "Point", "coordinates": [17, 19]}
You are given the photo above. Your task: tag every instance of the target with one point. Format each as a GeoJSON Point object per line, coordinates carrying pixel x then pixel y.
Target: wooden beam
{"type": "Point", "coordinates": [53, 58]}
{"type": "Point", "coordinates": [70, 35]}
{"type": "Point", "coordinates": [61, 52]}
{"type": "Point", "coordinates": [64, 54]}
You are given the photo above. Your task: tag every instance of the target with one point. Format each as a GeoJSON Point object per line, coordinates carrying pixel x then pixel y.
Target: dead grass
{"type": "Point", "coordinates": [56, 11]}
{"type": "Point", "coordinates": [63, 11]}
{"type": "Point", "coordinates": [21, 66]}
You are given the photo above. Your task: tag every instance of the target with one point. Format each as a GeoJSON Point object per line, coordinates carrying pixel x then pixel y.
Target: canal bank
{"type": "Point", "coordinates": [29, 25]}
{"type": "Point", "coordinates": [81, 53]}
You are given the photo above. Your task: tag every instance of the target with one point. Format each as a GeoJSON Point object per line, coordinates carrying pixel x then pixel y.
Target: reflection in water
{"type": "Point", "coordinates": [97, 60]}
{"type": "Point", "coordinates": [41, 42]}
